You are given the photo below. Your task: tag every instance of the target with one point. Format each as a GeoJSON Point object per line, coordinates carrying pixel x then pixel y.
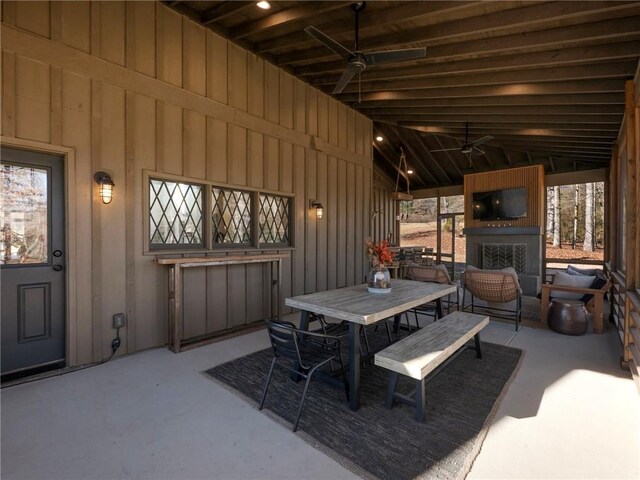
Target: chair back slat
{"type": "Point", "coordinates": [284, 340]}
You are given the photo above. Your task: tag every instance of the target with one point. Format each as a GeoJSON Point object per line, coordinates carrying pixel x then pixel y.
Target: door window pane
{"type": "Point", "coordinates": [23, 215]}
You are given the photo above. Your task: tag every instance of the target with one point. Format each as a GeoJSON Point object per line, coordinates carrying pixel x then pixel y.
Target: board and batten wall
{"type": "Point", "coordinates": [384, 213]}
{"type": "Point", "coordinates": [531, 178]}
{"type": "Point", "coordinates": [133, 87]}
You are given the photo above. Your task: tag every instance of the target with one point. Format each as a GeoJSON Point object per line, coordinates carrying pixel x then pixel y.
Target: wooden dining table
{"type": "Point", "coordinates": [358, 306]}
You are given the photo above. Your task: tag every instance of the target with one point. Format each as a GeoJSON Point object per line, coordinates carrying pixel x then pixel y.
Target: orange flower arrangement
{"type": "Point", "coordinates": [379, 253]}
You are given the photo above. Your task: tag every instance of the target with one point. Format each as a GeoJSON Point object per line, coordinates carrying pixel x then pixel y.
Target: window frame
{"type": "Point", "coordinates": [155, 247]}
{"type": "Point", "coordinates": [208, 245]}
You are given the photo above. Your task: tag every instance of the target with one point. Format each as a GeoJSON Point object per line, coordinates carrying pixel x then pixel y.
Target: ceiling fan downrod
{"type": "Point", "coordinates": [357, 8]}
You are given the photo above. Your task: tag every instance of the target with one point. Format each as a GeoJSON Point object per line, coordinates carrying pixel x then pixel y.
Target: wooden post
{"type": "Point", "coordinates": [631, 219]}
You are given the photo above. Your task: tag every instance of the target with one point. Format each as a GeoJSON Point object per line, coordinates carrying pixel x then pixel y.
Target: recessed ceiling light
{"type": "Point", "coordinates": [379, 138]}
{"type": "Point", "coordinates": [409, 171]}
{"type": "Point", "coordinates": [264, 5]}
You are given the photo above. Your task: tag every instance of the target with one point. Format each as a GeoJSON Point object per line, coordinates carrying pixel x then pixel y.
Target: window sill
{"type": "Point", "coordinates": [213, 253]}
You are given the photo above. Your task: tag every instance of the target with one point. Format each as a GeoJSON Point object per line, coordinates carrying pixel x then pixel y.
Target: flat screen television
{"type": "Point", "coordinates": [500, 204]}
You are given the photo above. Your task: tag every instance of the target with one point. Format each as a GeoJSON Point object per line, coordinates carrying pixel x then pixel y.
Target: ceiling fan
{"type": "Point", "coordinates": [358, 61]}
{"type": "Point", "coordinates": [468, 147]}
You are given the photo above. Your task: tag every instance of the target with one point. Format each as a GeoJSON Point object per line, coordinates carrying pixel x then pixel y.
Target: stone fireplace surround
{"type": "Point", "coordinates": [528, 264]}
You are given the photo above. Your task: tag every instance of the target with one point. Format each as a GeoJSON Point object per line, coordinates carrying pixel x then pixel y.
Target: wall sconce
{"type": "Point", "coordinates": [105, 190]}
{"type": "Point", "coordinates": [319, 209]}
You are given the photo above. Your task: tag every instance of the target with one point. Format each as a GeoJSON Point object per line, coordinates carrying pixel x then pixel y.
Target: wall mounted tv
{"type": "Point", "coordinates": [500, 204]}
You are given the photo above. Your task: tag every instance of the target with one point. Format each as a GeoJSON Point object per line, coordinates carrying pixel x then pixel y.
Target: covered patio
{"type": "Point", "coordinates": [179, 175]}
{"type": "Point", "coordinates": [569, 413]}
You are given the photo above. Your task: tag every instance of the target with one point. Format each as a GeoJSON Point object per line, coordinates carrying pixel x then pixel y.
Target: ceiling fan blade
{"type": "Point", "coordinates": [374, 58]}
{"type": "Point", "coordinates": [346, 77]}
{"type": "Point", "coordinates": [481, 140]}
{"type": "Point", "coordinates": [329, 42]}
{"type": "Point", "coordinates": [444, 150]}
{"type": "Point", "coordinates": [478, 150]}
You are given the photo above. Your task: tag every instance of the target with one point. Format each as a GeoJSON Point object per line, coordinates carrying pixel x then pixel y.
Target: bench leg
{"type": "Point", "coordinates": [478, 349]}
{"type": "Point", "coordinates": [420, 403]}
{"type": "Point", "coordinates": [393, 381]}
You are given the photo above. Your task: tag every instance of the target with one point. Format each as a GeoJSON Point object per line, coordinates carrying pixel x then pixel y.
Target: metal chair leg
{"type": "Point", "coordinates": [406, 317]}
{"type": "Point", "coordinates": [266, 385]}
{"type": "Point", "coordinates": [344, 376]}
{"type": "Point", "coordinates": [386, 324]}
{"type": "Point", "coordinates": [304, 394]}
{"type": "Point", "coordinates": [366, 340]}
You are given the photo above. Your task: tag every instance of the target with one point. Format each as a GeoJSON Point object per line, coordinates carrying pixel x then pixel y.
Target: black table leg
{"type": "Point", "coordinates": [478, 349]}
{"type": "Point", "coordinates": [304, 325]}
{"type": "Point", "coordinates": [396, 323]}
{"type": "Point", "coordinates": [439, 313]}
{"type": "Point", "coordinates": [420, 403]}
{"type": "Point", "coordinates": [354, 366]}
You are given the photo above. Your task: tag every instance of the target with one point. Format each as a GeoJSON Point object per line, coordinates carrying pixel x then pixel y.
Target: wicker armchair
{"type": "Point", "coordinates": [433, 274]}
{"type": "Point", "coordinates": [494, 286]}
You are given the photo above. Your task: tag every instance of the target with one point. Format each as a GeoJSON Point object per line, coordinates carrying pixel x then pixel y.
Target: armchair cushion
{"type": "Point", "coordinates": [568, 280]}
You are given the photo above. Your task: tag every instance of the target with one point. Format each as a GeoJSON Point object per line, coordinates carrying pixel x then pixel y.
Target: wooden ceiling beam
{"type": "Point", "coordinates": [603, 142]}
{"type": "Point", "coordinates": [299, 12]}
{"type": "Point", "coordinates": [427, 13]}
{"type": "Point", "coordinates": [571, 157]}
{"type": "Point", "coordinates": [449, 156]}
{"type": "Point", "coordinates": [453, 118]}
{"type": "Point", "coordinates": [533, 132]}
{"type": "Point", "coordinates": [489, 127]}
{"type": "Point", "coordinates": [622, 69]}
{"type": "Point", "coordinates": [395, 140]}
{"type": "Point", "coordinates": [418, 139]}
{"type": "Point", "coordinates": [549, 88]}
{"type": "Point", "coordinates": [558, 150]}
{"type": "Point", "coordinates": [505, 136]}
{"type": "Point", "coordinates": [591, 98]}
{"type": "Point", "coordinates": [534, 142]}
{"type": "Point", "coordinates": [588, 55]}
{"type": "Point", "coordinates": [472, 111]}
{"type": "Point", "coordinates": [398, 139]}
{"type": "Point", "coordinates": [222, 10]}
{"type": "Point", "coordinates": [389, 162]}
{"type": "Point", "coordinates": [607, 31]}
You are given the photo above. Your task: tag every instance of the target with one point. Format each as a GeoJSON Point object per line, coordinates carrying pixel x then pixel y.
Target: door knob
{"type": "Point", "coordinates": [58, 268]}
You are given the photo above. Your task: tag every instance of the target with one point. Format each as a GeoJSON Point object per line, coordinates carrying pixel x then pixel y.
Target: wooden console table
{"type": "Point", "coordinates": [175, 285]}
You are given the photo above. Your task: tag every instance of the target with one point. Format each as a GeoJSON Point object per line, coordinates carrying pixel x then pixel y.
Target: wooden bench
{"type": "Point", "coordinates": [422, 352]}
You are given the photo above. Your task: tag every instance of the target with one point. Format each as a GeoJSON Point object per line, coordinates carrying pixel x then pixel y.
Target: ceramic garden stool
{"type": "Point", "coordinates": [568, 316]}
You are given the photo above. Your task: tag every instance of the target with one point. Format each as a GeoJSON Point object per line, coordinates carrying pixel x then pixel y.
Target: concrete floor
{"type": "Point", "coordinates": [570, 413]}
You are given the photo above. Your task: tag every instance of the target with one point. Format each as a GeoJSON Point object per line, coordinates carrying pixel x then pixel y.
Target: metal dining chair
{"type": "Point", "coordinates": [305, 352]}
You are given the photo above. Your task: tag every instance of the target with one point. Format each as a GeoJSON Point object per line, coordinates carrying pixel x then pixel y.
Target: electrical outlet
{"type": "Point", "coordinates": [119, 320]}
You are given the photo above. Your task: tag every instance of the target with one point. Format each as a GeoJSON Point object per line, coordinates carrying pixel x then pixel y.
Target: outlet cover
{"type": "Point", "coordinates": [119, 320]}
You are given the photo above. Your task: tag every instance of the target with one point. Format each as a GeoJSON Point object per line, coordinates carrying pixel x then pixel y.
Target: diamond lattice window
{"type": "Point", "coordinates": [274, 220]}
{"type": "Point", "coordinates": [231, 217]}
{"type": "Point", "coordinates": [175, 214]}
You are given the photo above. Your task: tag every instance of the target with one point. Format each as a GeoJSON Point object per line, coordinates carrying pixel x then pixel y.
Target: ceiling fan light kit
{"type": "Point", "coordinates": [358, 61]}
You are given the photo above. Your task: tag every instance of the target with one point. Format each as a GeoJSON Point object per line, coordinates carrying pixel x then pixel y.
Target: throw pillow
{"type": "Point", "coordinates": [571, 270]}
{"type": "Point", "coordinates": [580, 281]}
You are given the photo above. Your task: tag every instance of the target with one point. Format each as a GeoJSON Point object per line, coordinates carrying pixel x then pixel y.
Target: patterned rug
{"type": "Point", "coordinates": [387, 444]}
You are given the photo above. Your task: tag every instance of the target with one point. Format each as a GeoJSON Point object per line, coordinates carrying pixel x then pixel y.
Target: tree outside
{"type": "Point", "coordinates": [575, 221]}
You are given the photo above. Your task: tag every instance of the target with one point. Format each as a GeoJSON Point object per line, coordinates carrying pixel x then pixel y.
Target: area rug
{"type": "Point", "coordinates": [387, 444]}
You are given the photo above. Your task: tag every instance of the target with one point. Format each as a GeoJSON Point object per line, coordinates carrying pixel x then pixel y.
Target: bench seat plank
{"type": "Point", "coordinates": [423, 351]}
